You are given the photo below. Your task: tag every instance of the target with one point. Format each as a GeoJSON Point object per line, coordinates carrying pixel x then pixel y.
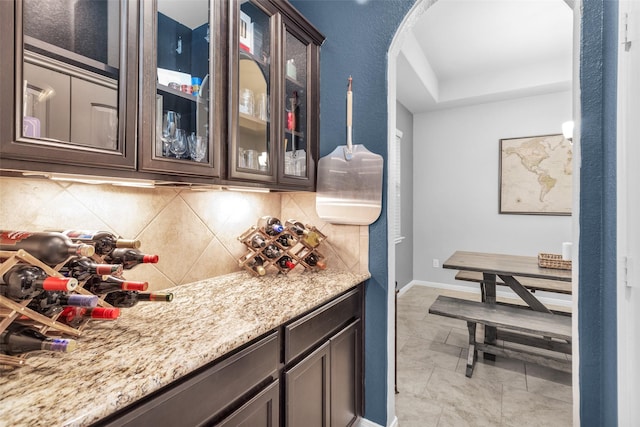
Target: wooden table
{"type": "Point", "coordinates": [507, 267]}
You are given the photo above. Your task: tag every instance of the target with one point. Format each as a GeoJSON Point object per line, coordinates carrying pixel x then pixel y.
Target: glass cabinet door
{"type": "Point", "coordinates": [73, 81]}
{"type": "Point", "coordinates": [252, 149]}
{"type": "Point", "coordinates": [300, 62]}
{"type": "Point", "coordinates": [179, 82]}
{"type": "Point", "coordinates": [295, 108]}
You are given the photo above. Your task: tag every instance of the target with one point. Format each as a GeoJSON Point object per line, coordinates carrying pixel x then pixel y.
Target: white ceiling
{"type": "Point", "coordinates": [461, 52]}
{"type": "Point", "coordinates": [191, 13]}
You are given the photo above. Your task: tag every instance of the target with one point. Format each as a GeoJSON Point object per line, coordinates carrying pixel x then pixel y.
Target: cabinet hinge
{"type": "Point", "coordinates": [627, 271]}
{"type": "Point", "coordinates": [628, 29]}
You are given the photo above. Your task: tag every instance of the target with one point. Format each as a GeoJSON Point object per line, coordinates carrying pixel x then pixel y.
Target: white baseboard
{"type": "Point", "coordinates": [363, 422]}
{"type": "Point", "coordinates": [546, 298]}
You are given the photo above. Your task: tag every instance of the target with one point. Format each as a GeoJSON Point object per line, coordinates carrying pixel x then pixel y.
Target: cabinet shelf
{"type": "Point", "coordinates": [69, 57]}
{"type": "Point", "coordinates": [187, 96]}
{"type": "Point", "coordinates": [252, 123]}
{"type": "Point", "coordinates": [294, 82]}
{"type": "Point", "coordinates": [295, 133]}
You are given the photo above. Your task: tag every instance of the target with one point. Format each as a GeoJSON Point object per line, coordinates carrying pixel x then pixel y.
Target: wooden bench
{"type": "Point", "coordinates": [531, 283]}
{"type": "Point", "coordinates": [519, 324]}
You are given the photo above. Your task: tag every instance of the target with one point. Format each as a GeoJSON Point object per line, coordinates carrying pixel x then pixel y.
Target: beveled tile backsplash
{"type": "Point", "coordinates": [193, 232]}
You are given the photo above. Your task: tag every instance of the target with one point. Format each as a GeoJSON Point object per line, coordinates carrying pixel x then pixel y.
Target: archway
{"type": "Point", "coordinates": [412, 18]}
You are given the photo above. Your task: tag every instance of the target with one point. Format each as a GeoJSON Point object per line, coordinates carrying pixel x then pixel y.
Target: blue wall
{"type": "Point", "coordinates": [358, 38]}
{"type": "Point", "coordinates": [597, 274]}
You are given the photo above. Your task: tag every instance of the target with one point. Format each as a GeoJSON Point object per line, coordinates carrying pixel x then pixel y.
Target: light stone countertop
{"type": "Point", "coordinates": [155, 343]}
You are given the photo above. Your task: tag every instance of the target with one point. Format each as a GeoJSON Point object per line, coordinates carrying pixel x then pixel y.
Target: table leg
{"type": "Point", "coordinates": [523, 293]}
{"type": "Point", "coordinates": [489, 297]}
{"type": "Point", "coordinates": [472, 356]}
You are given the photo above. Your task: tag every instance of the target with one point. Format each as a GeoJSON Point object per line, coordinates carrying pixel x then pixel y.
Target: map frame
{"type": "Point", "coordinates": [507, 182]}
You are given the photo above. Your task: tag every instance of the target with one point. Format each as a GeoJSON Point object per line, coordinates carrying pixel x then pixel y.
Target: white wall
{"type": "Point", "coordinates": [456, 162]}
{"type": "Point", "coordinates": [404, 249]}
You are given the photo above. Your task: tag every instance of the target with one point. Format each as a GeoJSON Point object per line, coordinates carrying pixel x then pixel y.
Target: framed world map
{"type": "Point", "coordinates": [536, 175]}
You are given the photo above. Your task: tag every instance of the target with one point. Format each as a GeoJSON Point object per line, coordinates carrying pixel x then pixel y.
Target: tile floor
{"type": "Point", "coordinates": [434, 391]}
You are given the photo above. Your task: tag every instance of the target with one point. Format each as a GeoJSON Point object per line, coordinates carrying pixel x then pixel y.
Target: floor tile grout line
{"type": "Point", "coordinates": [524, 372]}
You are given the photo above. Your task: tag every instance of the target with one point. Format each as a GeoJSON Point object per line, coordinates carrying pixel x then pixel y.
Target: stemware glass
{"type": "Point", "coordinates": [197, 147]}
{"type": "Point", "coordinates": [178, 145]}
{"type": "Point", "coordinates": [170, 127]}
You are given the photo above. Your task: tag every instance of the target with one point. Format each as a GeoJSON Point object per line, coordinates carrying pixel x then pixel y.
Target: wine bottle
{"type": "Point", "coordinates": [19, 339]}
{"type": "Point", "coordinates": [291, 114]}
{"type": "Point", "coordinates": [257, 264]}
{"type": "Point", "coordinates": [102, 285]}
{"type": "Point", "coordinates": [286, 240]}
{"type": "Point", "coordinates": [271, 225]}
{"type": "Point", "coordinates": [53, 302]}
{"type": "Point", "coordinates": [271, 251]}
{"type": "Point", "coordinates": [74, 316]}
{"type": "Point", "coordinates": [24, 281]}
{"type": "Point", "coordinates": [313, 260]}
{"type": "Point", "coordinates": [286, 262]}
{"type": "Point", "coordinates": [82, 268]}
{"type": "Point", "coordinates": [129, 258]}
{"type": "Point", "coordinates": [257, 241]}
{"type": "Point", "coordinates": [49, 247]}
{"type": "Point", "coordinates": [131, 298]}
{"type": "Point", "coordinates": [309, 237]}
{"type": "Point", "coordinates": [103, 241]}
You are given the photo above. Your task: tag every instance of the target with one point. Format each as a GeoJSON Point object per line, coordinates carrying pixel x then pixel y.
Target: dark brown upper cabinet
{"type": "Point", "coordinates": [204, 92]}
{"type": "Point", "coordinates": [69, 83]}
{"type": "Point", "coordinates": [273, 95]}
{"type": "Point", "coordinates": [183, 87]}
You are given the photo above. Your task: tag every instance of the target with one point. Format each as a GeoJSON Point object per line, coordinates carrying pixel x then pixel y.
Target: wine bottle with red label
{"type": "Point", "coordinates": [104, 284]}
{"type": "Point", "coordinates": [130, 258]}
{"type": "Point", "coordinates": [75, 316]}
{"type": "Point", "coordinates": [24, 281]}
{"type": "Point", "coordinates": [83, 268]}
{"type": "Point", "coordinates": [286, 263]}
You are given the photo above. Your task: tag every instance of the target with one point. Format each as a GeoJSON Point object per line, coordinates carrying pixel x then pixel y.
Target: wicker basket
{"type": "Point", "coordinates": [553, 261]}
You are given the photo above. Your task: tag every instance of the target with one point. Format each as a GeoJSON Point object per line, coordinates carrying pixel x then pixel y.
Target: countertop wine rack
{"type": "Point", "coordinates": [11, 310]}
{"type": "Point", "coordinates": [298, 250]}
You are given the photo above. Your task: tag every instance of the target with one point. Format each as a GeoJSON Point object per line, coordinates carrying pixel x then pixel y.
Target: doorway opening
{"type": "Point", "coordinates": [467, 75]}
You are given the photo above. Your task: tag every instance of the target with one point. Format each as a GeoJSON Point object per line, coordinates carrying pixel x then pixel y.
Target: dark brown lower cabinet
{"type": "Point", "coordinates": [307, 390]}
{"type": "Point", "coordinates": [202, 398]}
{"type": "Point", "coordinates": [261, 411]}
{"type": "Point", "coordinates": [323, 389]}
{"type": "Point", "coordinates": [345, 378]}
{"type": "Point", "coordinates": [306, 373]}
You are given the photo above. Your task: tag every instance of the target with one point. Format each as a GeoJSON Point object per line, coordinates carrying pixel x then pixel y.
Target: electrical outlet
{"type": "Point", "coordinates": [436, 263]}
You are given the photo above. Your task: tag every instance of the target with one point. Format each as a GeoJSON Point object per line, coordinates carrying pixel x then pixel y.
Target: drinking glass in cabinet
{"type": "Point", "coordinates": [246, 102]}
{"type": "Point", "coordinates": [261, 111]}
{"type": "Point", "coordinates": [178, 147]}
{"type": "Point", "coordinates": [197, 147]}
{"type": "Point", "coordinates": [253, 132]}
{"type": "Point", "coordinates": [295, 126]}
{"type": "Point", "coordinates": [183, 75]}
{"type": "Point", "coordinates": [170, 126]}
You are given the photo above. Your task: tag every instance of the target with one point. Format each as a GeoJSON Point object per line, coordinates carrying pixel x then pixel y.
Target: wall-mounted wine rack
{"type": "Point", "coordinates": [299, 250]}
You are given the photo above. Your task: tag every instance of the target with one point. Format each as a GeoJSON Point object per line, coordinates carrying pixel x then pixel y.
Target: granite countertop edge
{"type": "Point", "coordinates": [154, 344]}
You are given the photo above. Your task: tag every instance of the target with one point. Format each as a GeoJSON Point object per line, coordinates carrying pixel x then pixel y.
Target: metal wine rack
{"type": "Point", "coordinates": [298, 250]}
